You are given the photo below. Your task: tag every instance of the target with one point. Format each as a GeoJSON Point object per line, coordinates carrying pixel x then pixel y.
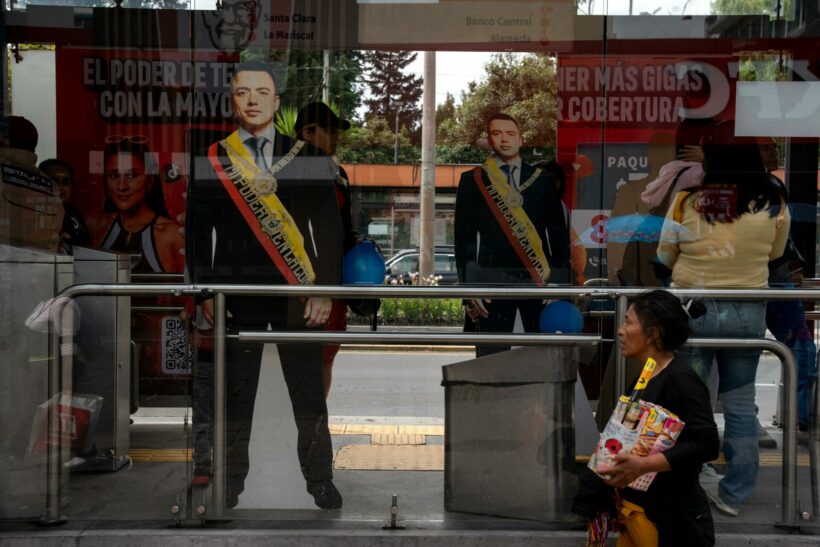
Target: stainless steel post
{"type": "Point", "coordinates": [219, 404]}
{"type": "Point", "coordinates": [54, 478]}
{"type": "Point", "coordinates": [789, 478]}
{"type": "Point", "coordinates": [53, 467]}
{"type": "Point", "coordinates": [621, 305]}
{"type": "Point", "coordinates": [789, 516]}
{"type": "Point", "coordinates": [814, 449]}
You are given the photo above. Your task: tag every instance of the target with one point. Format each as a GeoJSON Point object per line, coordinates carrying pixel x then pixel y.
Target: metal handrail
{"type": "Point", "coordinates": [620, 295]}
{"type": "Point", "coordinates": [451, 291]}
{"type": "Point", "coordinates": [788, 363]}
{"type": "Point", "coordinates": [421, 339]}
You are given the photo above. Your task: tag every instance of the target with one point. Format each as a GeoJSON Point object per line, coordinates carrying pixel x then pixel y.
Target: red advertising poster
{"type": "Point", "coordinates": [124, 121]}
{"type": "Point", "coordinates": [610, 109]}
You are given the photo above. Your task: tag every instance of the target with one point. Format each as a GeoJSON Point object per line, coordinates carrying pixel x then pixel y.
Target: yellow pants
{"type": "Point", "coordinates": [637, 530]}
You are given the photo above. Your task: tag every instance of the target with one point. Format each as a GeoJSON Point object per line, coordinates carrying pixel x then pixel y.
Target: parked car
{"type": "Point", "coordinates": [404, 265]}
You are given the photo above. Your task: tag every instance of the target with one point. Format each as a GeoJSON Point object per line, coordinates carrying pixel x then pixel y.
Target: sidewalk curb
{"type": "Point", "coordinates": [405, 348]}
{"type": "Point", "coordinates": [343, 538]}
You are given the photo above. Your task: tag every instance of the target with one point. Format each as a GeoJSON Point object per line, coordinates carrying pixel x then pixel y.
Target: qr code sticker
{"type": "Point", "coordinates": [176, 352]}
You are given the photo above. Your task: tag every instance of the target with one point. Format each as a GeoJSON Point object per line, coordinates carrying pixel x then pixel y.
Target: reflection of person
{"type": "Point", "coordinates": [263, 210]}
{"type": "Point", "coordinates": [31, 211]}
{"type": "Point", "coordinates": [74, 230]}
{"type": "Point", "coordinates": [635, 268]}
{"type": "Point", "coordinates": [509, 230]}
{"type": "Point", "coordinates": [674, 510]}
{"type": "Point", "coordinates": [631, 262]}
{"type": "Point", "coordinates": [317, 124]}
{"type": "Point", "coordinates": [739, 222]}
{"type": "Point", "coordinates": [232, 27]}
{"type": "Point", "coordinates": [578, 254]}
{"type": "Point", "coordinates": [138, 220]}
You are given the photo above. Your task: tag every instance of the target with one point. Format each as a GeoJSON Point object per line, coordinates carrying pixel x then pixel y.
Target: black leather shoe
{"type": "Point", "coordinates": [325, 494]}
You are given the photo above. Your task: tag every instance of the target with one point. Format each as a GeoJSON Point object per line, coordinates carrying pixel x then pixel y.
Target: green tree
{"type": "Point", "coordinates": [373, 142]}
{"type": "Point", "coordinates": [446, 110]}
{"type": "Point", "coordinates": [303, 83]}
{"type": "Point", "coordinates": [391, 88]}
{"type": "Point", "coordinates": [750, 7]}
{"type": "Point", "coordinates": [523, 86]}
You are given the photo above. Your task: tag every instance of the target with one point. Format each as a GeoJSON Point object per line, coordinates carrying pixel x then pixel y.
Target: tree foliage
{"type": "Point", "coordinates": [392, 89]}
{"type": "Point", "coordinates": [303, 82]}
{"type": "Point", "coordinates": [749, 7]}
{"type": "Point", "coordinates": [523, 86]}
{"type": "Point", "coordinates": [373, 142]}
{"type": "Point", "coordinates": [446, 110]}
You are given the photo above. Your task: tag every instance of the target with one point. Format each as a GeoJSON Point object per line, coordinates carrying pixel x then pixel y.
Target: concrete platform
{"type": "Point", "coordinates": [134, 505]}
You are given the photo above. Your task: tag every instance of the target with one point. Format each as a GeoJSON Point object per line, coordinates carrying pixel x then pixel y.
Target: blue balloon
{"type": "Point", "coordinates": [363, 265]}
{"type": "Point", "coordinates": [561, 316]}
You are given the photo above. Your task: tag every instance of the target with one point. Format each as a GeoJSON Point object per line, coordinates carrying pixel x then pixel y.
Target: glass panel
{"type": "Point", "coordinates": [248, 145]}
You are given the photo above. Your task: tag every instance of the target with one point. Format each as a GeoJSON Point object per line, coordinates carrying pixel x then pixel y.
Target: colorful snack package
{"type": "Point", "coordinates": [672, 427]}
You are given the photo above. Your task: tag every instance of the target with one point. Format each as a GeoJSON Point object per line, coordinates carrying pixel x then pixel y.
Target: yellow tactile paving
{"type": "Point", "coordinates": [160, 454]}
{"type": "Point", "coordinates": [766, 460]}
{"type": "Point", "coordinates": [421, 430]}
{"type": "Point", "coordinates": [773, 460]}
{"type": "Point", "coordinates": [369, 429]}
{"type": "Point", "coordinates": [337, 429]}
{"type": "Point", "coordinates": [381, 438]}
{"type": "Point", "coordinates": [390, 458]}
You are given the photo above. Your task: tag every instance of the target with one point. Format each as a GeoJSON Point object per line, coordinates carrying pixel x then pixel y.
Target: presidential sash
{"type": "Point", "coordinates": [508, 208]}
{"type": "Point", "coordinates": [261, 208]}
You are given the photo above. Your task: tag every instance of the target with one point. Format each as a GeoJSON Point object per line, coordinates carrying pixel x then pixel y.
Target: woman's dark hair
{"type": "Point", "coordinates": [664, 311]}
{"type": "Point", "coordinates": [734, 163]}
{"type": "Point", "coordinates": [691, 132]}
{"type": "Point", "coordinates": [154, 196]}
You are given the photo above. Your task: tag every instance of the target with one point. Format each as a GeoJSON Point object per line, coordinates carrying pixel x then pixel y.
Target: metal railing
{"type": "Point", "coordinates": [620, 295]}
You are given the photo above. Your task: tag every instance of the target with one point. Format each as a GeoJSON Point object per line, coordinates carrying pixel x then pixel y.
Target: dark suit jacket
{"type": "Point", "coordinates": [221, 248]}
{"type": "Point", "coordinates": [494, 260]}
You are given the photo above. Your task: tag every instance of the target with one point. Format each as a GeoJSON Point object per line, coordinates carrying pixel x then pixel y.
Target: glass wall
{"type": "Point", "coordinates": [201, 155]}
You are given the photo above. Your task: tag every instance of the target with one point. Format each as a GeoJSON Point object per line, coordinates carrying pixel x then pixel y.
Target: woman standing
{"type": "Point", "coordinates": [674, 510]}
{"type": "Point", "coordinates": [736, 222]}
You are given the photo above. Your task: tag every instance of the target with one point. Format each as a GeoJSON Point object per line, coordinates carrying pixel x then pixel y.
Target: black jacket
{"type": "Point", "coordinates": [495, 257]}
{"type": "Point", "coordinates": [675, 502]}
{"type": "Point", "coordinates": [220, 247]}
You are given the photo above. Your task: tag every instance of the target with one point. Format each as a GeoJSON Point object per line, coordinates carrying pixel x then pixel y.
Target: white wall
{"type": "Point", "coordinates": [34, 96]}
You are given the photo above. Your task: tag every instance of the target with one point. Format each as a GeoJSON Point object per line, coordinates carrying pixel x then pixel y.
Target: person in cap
{"type": "Point", "coordinates": [317, 124]}
{"type": "Point", "coordinates": [74, 231]}
{"type": "Point", "coordinates": [262, 211]}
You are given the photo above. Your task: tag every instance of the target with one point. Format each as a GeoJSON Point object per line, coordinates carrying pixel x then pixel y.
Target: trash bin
{"type": "Point", "coordinates": [509, 441]}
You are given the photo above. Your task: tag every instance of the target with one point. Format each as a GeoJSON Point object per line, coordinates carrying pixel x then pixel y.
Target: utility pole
{"type": "Point", "coordinates": [326, 77]}
{"type": "Point", "coordinates": [427, 201]}
{"type": "Point", "coordinates": [398, 105]}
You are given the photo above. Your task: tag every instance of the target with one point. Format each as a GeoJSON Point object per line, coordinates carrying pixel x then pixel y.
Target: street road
{"type": "Point", "coordinates": [390, 383]}
{"type": "Point", "coordinates": [408, 384]}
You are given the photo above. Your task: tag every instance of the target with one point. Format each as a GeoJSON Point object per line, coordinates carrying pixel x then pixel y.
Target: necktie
{"type": "Point", "coordinates": [258, 147]}
{"type": "Point", "coordinates": [510, 171]}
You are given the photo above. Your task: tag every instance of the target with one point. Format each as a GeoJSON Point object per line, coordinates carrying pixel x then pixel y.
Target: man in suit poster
{"type": "Point", "coordinates": [509, 230]}
{"type": "Point", "coordinates": [262, 210]}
